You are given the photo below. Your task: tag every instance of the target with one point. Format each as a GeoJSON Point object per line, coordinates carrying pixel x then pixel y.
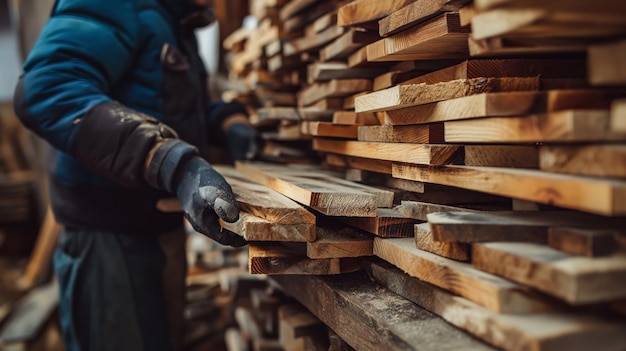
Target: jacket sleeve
{"type": "Point", "coordinates": [217, 112]}
{"type": "Point", "coordinates": [63, 95]}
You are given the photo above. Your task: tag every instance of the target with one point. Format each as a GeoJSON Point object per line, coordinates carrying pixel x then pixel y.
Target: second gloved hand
{"type": "Point", "coordinates": [206, 196]}
{"type": "Point", "coordinates": [242, 141]}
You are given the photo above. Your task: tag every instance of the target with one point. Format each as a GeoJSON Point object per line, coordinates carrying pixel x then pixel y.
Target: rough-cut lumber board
{"type": "Point", "coordinates": [351, 117]}
{"type": "Point", "coordinates": [367, 164]}
{"type": "Point", "coordinates": [253, 228]}
{"type": "Point", "coordinates": [371, 318]}
{"type": "Point", "coordinates": [327, 129]}
{"type": "Point", "coordinates": [510, 225]}
{"type": "Point", "coordinates": [415, 13]}
{"type": "Point", "coordinates": [424, 241]}
{"type": "Point", "coordinates": [583, 242]}
{"type": "Point", "coordinates": [383, 180]}
{"type": "Point", "coordinates": [361, 12]}
{"type": "Point", "coordinates": [333, 88]}
{"type": "Point", "coordinates": [502, 156]}
{"type": "Point", "coordinates": [600, 196]}
{"type": "Point", "coordinates": [311, 43]}
{"type": "Point", "coordinates": [388, 223]}
{"type": "Point", "coordinates": [268, 258]}
{"type": "Point", "coordinates": [427, 134]}
{"type": "Point", "coordinates": [500, 105]}
{"type": "Point", "coordinates": [324, 71]}
{"type": "Point", "coordinates": [491, 47]}
{"type": "Point", "coordinates": [346, 44]}
{"type": "Point", "coordinates": [545, 331]}
{"type": "Point", "coordinates": [323, 196]}
{"type": "Point", "coordinates": [564, 126]}
{"type": "Point", "coordinates": [413, 153]}
{"type": "Point", "coordinates": [577, 280]}
{"type": "Point", "coordinates": [605, 66]}
{"type": "Point", "coordinates": [419, 209]}
{"type": "Point", "coordinates": [593, 160]}
{"type": "Point", "coordinates": [618, 115]}
{"type": "Point", "coordinates": [339, 243]}
{"type": "Point", "coordinates": [322, 23]}
{"type": "Point", "coordinates": [348, 102]}
{"type": "Point", "coordinates": [418, 94]}
{"type": "Point", "coordinates": [272, 114]}
{"type": "Point", "coordinates": [440, 38]}
{"type": "Point", "coordinates": [487, 290]}
{"type": "Point", "coordinates": [294, 7]}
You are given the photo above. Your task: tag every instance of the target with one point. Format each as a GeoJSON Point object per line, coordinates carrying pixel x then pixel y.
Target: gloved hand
{"type": "Point", "coordinates": [205, 195]}
{"type": "Point", "coordinates": [242, 141]}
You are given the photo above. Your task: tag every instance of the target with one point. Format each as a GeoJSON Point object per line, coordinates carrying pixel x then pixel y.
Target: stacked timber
{"type": "Point", "coordinates": [480, 147]}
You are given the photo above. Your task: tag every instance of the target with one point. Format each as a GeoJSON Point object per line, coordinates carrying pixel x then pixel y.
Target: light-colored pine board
{"type": "Point", "coordinates": [500, 105]}
{"type": "Point", "coordinates": [426, 134]}
{"type": "Point", "coordinates": [340, 243]}
{"type": "Point", "coordinates": [440, 38]}
{"type": "Point", "coordinates": [584, 242]}
{"type": "Point", "coordinates": [367, 164]}
{"type": "Point", "coordinates": [388, 223]}
{"type": "Point", "coordinates": [311, 43]}
{"type": "Point", "coordinates": [327, 129]}
{"type": "Point", "coordinates": [412, 153]}
{"type": "Point", "coordinates": [487, 290]}
{"type": "Point", "coordinates": [502, 156]}
{"type": "Point", "coordinates": [564, 126]}
{"type": "Point", "coordinates": [321, 195]}
{"type": "Point", "coordinates": [419, 209]}
{"type": "Point", "coordinates": [599, 196]}
{"type": "Point", "coordinates": [605, 67]}
{"type": "Point", "coordinates": [353, 118]}
{"type": "Point", "coordinates": [618, 115]}
{"type": "Point", "coordinates": [454, 250]}
{"type": "Point", "coordinates": [253, 228]}
{"type": "Point", "coordinates": [268, 258]}
{"type": "Point", "coordinates": [577, 280]}
{"type": "Point", "coordinates": [346, 44]}
{"type": "Point", "coordinates": [349, 101]}
{"type": "Point", "coordinates": [545, 331]}
{"type": "Point", "coordinates": [333, 88]}
{"type": "Point", "coordinates": [418, 94]}
{"type": "Point", "coordinates": [466, 13]}
{"type": "Point", "coordinates": [362, 11]}
{"type": "Point", "coordinates": [593, 160]}
{"type": "Point", "coordinates": [416, 13]}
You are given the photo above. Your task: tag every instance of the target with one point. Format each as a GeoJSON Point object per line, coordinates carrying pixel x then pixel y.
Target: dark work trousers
{"type": "Point", "coordinates": [119, 291]}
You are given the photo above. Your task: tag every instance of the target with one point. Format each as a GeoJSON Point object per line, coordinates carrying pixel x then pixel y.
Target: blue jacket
{"type": "Point", "coordinates": [96, 63]}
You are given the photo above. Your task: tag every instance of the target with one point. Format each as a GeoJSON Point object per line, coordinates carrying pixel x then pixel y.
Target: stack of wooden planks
{"type": "Point", "coordinates": [481, 146]}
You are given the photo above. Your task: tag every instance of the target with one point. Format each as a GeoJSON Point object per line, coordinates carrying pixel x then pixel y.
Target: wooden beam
{"type": "Point", "coordinates": [349, 42]}
{"type": "Point", "coordinates": [564, 126]}
{"type": "Point", "coordinates": [425, 241]}
{"type": "Point", "coordinates": [545, 331]}
{"type": "Point", "coordinates": [487, 290]}
{"type": "Point", "coordinates": [361, 12]}
{"type": "Point", "coordinates": [583, 242]}
{"type": "Point", "coordinates": [440, 38]}
{"type": "Point", "coordinates": [340, 242]}
{"type": "Point", "coordinates": [388, 223]}
{"type": "Point", "coordinates": [426, 134]}
{"type": "Point", "coordinates": [577, 280]}
{"type": "Point", "coordinates": [268, 258]}
{"type": "Point", "coordinates": [333, 88]}
{"type": "Point", "coordinates": [595, 195]}
{"type": "Point", "coordinates": [502, 156]}
{"type": "Point", "coordinates": [327, 129]}
{"type": "Point", "coordinates": [593, 160]}
{"type": "Point", "coordinates": [418, 94]}
{"type": "Point", "coordinates": [351, 306]}
{"type": "Point", "coordinates": [605, 68]}
{"type": "Point", "coordinates": [413, 153]}
{"type": "Point", "coordinates": [416, 13]}
{"type": "Point", "coordinates": [253, 228]}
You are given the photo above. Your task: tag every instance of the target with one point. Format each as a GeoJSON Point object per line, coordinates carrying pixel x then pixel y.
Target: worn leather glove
{"type": "Point", "coordinates": [242, 141]}
{"type": "Point", "coordinates": [206, 196]}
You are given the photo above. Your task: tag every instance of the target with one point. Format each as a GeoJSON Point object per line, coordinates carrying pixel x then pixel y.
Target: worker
{"type": "Point", "coordinates": [118, 88]}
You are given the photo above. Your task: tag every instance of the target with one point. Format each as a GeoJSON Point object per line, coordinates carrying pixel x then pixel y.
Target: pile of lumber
{"type": "Point", "coordinates": [473, 168]}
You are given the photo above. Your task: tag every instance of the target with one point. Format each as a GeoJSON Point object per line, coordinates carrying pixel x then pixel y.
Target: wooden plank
{"type": "Point", "coordinates": [323, 196]}
{"type": "Point", "coordinates": [418, 94]}
{"type": "Point", "coordinates": [605, 68]}
{"type": "Point", "coordinates": [351, 306]}
{"type": "Point", "coordinates": [340, 241]}
{"type": "Point", "coordinates": [564, 126]}
{"type": "Point", "coordinates": [466, 13]}
{"type": "Point", "coordinates": [599, 196]}
{"type": "Point", "coordinates": [383, 180]}
{"type": "Point", "coordinates": [333, 88]}
{"type": "Point", "coordinates": [487, 290]}
{"type": "Point", "coordinates": [415, 13]}
{"type": "Point", "coordinates": [577, 280]}
{"type": "Point", "coordinates": [413, 153]}
{"type": "Point", "coordinates": [348, 102]}
{"type": "Point", "coordinates": [419, 209]}
{"type": "Point", "coordinates": [425, 241]}
{"type": "Point", "coordinates": [298, 22]}
{"type": "Point", "coordinates": [324, 71]}
{"type": "Point", "coordinates": [269, 258]}
{"type": "Point", "coordinates": [545, 331]}
{"type": "Point", "coordinates": [583, 242]}
{"type": "Point", "coordinates": [360, 12]}
{"type": "Point", "coordinates": [373, 165]}
{"type": "Point", "coordinates": [353, 118]}
{"type": "Point", "coordinates": [597, 6]}
{"type": "Point", "coordinates": [311, 43]}
{"type": "Point", "coordinates": [502, 156]}
{"type": "Point", "coordinates": [253, 228]}
{"type": "Point", "coordinates": [593, 160]}
{"type": "Point", "coordinates": [274, 114]}
{"type": "Point", "coordinates": [346, 44]}
{"type": "Point", "coordinates": [425, 134]}
{"type": "Point", "coordinates": [327, 129]}
{"type": "Point", "coordinates": [294, 7]}
{"type": "Point", "coordinates": [269, 97]}
{"type": "Point", "coordinates": [494, 47]}
{"type": "Point", "coordinates": [529, 226]}
{"type": "Point", "coordinates": [500, 105]}
{"type": "Point", "coordinates": [440, 38]}
{"type": "Point", "coordinates": [321, 24]}
{"type": "Point", "coordinates": [618, 115]}
{"type": "Point", "coordinates": [388, 223]}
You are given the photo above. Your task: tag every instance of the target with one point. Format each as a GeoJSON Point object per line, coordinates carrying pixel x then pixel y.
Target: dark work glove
{"type": "Point", "coordinates": [205, 195]}
{"type": "Point", "coordinates": [242, 141]}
